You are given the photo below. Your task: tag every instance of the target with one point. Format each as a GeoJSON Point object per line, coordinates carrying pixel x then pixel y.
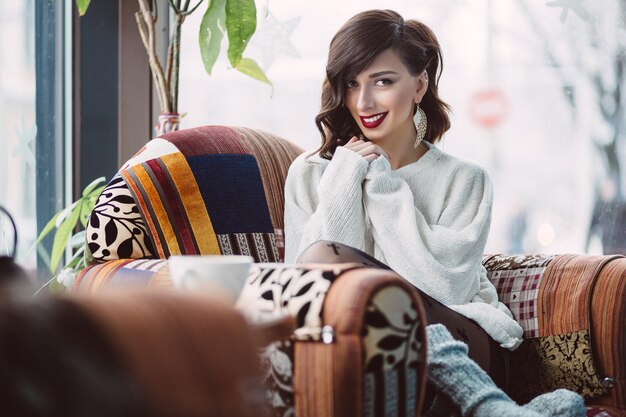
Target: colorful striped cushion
{"type": "Point", "coordinates": [207, 190]}
{"type": "Point", "coordinates": [129, 272]}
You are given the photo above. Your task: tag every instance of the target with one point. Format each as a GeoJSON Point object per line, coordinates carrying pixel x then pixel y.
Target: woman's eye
{"type": "Point", "coordinates": [383, 81]}
{"type": "Point", "coordinates": [351, 84]}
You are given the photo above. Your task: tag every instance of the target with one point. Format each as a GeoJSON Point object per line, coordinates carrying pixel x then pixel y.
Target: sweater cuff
{"type": "Point", "coordinates": [346, 167]}
{"type": "Point", "coordinates": [346, 156]}
{"type": "Point", "coordinates": [377, 166]}
{"type": "Point", "coordinates": [437, 333]}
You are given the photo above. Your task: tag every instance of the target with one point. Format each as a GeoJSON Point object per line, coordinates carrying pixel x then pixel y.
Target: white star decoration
{"type": "Point", "coordinates": [576, 6]}
{"type": "Point", "coordinates": [273, 39]}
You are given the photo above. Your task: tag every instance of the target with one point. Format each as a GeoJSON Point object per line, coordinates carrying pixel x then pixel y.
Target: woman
{"type": "Point", "coordinates": [378, 184]}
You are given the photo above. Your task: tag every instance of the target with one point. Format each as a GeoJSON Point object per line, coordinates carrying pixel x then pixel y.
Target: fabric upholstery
{"type": "Point", "coordinates": [297, 291]}
{"type": "Point", "coordinates": [595, 411]}
{"type": "Point", "coordinates": [394, 354]}
{"type": "Point", "coordinates": [116, 228]}
{"type": "Point", "coordinates": [120, 272]}
{"type": "Point", "coordinates": [208, 190]}
{"type": "Point", "coordinates": [573, 323]}
{"type": "Point", "coordinates": [392, 335]}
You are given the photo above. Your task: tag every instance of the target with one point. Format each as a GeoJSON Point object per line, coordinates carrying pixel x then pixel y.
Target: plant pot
{"type": "Point", "coordinates": [168, 122]}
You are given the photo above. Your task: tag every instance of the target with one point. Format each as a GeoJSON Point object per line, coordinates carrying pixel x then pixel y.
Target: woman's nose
{"type": "Point", "coordinates": [364, 100]}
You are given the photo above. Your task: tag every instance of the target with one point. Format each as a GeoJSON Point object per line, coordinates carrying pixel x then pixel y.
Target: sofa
{"type": "Point", "coordinates": [219, 190]}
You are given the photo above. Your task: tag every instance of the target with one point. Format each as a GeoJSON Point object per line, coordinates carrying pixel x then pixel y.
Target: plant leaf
{"type": "Point", "coordinates": [250, 67]}
{"type": "Point", "coordinates": [78, 240]}
{"type": "Point", "coordinates": [61, 237]}
{"type": "Point", "coordinates": [240, 26]}
{"type": "Point", "coordinates": [66, 212]}
{"type": "Point", "coordinates": [82, 6]}
{"type": "Point", "coordinates": [85, 211]}
{"type": "Point", "coordinates": [47, 228]}
{"type": "Point", "coordinates": [95, 193]}
{"type": "Point", "coordinates": [88, 202]}
{"type": "Point", "coordinates": [75, 259]}
{"type": "Point", "coordinates": [212, 32]}
{"type": "Point", "coordinates": [88, 189]}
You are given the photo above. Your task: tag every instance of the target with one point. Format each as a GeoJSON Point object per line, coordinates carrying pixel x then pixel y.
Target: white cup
{"type": "Point", "coordinates": [224, 274]}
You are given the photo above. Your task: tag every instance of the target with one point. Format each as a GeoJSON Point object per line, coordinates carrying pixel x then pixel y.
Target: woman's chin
{"type": "Point", "coordinates": [373, 137]}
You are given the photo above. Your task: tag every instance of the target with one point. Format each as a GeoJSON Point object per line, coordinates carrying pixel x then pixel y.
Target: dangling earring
{"type": "Point", "coordinates": [420, 121]}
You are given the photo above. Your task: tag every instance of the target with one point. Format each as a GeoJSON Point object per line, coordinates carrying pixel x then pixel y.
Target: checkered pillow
{"type": "Point", "coordinates": [517, 289]}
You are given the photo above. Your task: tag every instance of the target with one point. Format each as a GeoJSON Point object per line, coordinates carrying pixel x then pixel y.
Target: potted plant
{"type": "Point", "coordinates": [235, 18]}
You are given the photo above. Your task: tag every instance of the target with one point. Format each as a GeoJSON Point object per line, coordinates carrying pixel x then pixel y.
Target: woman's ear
{"type": "Point", "coordinates": [422, 86]}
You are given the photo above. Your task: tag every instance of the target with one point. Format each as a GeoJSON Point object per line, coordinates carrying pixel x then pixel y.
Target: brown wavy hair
{"type": "Point", "coordinates": [353, 48]}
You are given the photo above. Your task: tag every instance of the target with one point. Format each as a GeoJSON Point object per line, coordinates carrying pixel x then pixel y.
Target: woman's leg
{"type": "Point", "coordinates": [473, 393]}
{"type": "Point", "coordinates": [482, 349]}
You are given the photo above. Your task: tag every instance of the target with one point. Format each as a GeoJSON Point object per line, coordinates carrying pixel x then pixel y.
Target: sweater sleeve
{"type": "Point", "coordinates": [441, 256]}
{"type": "Point", "coordinates": [325, 204]}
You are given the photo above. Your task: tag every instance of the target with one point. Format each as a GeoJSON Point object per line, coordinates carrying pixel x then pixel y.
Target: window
{"type": "Point", "coordinates": [32, 132]}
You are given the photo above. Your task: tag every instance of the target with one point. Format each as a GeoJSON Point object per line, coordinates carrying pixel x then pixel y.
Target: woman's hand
{"type": "Point", "coordinates": [367, 150]}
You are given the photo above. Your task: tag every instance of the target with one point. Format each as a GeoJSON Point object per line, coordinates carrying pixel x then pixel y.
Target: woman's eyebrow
{"type": "Point", "coordinates": [378, 74]}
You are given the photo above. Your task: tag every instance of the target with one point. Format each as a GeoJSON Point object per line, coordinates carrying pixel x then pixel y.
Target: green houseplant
{"type": "Point", "coordinates": [64, 225]}
{"type": "Point", "coordinates": [235, 18]}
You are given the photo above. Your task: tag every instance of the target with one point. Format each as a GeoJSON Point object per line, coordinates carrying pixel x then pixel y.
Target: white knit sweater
{"type": "Point", "coordinates": [428, 221]}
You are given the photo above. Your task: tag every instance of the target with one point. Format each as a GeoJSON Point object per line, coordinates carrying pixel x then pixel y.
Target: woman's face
{"type": "Point", "coordinates": [382, 97]}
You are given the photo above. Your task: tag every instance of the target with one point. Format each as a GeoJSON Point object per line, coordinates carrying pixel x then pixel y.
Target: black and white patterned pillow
{"type": "Point", "coordinates": [393, 335]}
{"type": "Point", "coordinates": [116, 229]}
{"type": "Point", "coordinates": [274, 290]}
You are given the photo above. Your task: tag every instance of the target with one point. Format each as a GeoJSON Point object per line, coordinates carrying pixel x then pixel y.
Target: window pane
{"type": "Point", "coordinates": [18, 129]}
{"type": "Point", "coordinates": [536, 89]}
{"type": "Point", "coordinates": [31, 112]}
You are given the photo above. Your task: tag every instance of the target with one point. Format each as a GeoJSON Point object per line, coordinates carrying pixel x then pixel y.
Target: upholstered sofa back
{"type": "Point", "coordinates": [207, 190]}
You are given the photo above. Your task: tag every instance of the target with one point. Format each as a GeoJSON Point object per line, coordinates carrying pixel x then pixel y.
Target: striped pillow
{"type": "Point", "coordinates": [215, 190]}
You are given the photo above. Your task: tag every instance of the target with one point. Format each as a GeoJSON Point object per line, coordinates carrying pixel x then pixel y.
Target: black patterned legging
{"type": "Point", "coordinates": [486, 352]}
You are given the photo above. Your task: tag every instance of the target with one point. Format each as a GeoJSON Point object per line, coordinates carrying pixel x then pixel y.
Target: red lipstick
{"type": "Point", "coordinates": [372, 124]}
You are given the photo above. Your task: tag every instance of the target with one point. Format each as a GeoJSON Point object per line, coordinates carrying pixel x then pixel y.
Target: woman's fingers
{"type": "Point", "coordinates": [353, 142]}
{"type": "Point", "coordinates": [368, 150]}
{"type": "Point", "coordinates": [350, 143]}
{"type": "Point", "coordinates": [358, 145]}
{"type": "Point", "coordinates": [372, 149]}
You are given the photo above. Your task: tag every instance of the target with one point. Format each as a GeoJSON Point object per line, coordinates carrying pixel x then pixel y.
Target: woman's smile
{"type": "Point", "coordinates": [374, 120]}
